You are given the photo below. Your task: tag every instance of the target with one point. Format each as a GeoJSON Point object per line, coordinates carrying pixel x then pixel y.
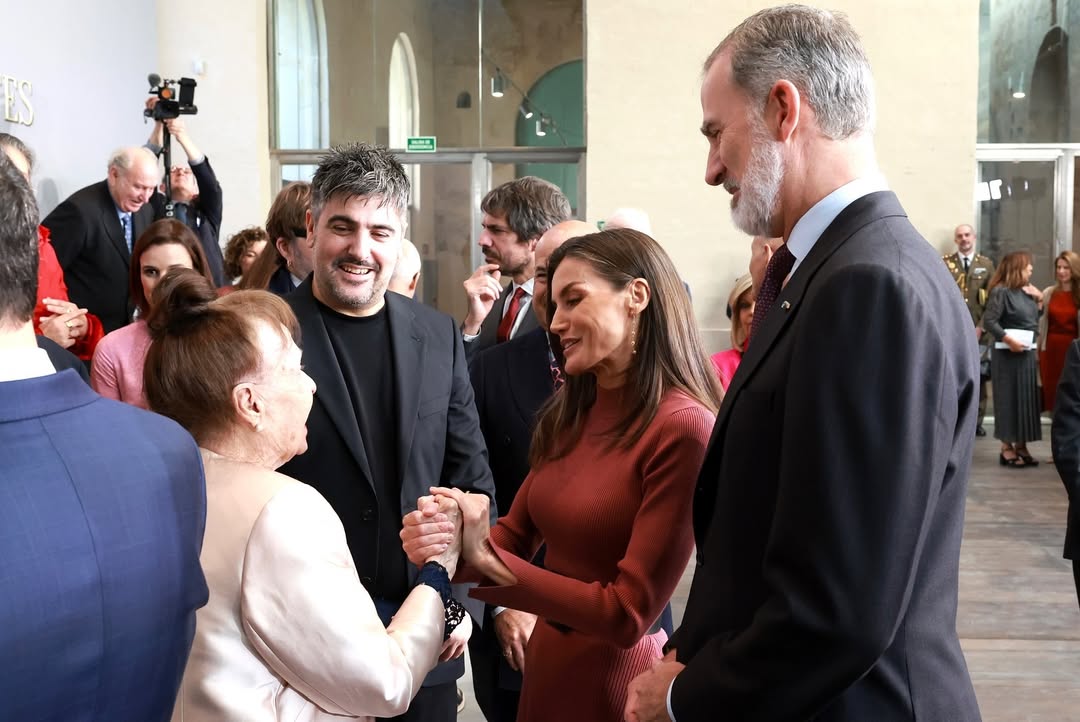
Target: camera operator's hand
{"type": "Point", "coordinates": [179, 131]}
{"type": "Point", "coordinates": [157, 135]}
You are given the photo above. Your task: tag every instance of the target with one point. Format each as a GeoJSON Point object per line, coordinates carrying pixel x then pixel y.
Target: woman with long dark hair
{"type": "Point", "coordinates": [615, 456]}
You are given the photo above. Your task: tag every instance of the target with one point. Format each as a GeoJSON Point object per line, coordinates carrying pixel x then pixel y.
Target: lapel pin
{"type": "Point", "coordinates": [785, 305]}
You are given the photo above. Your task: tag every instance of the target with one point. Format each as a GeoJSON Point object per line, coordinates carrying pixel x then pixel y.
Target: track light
{"type": "Point", "coordinates": [1019, 93]}
{"type": "Point", "coordinates": [541, 126]}
{"type": "Point", "coordinates": [497, 84]}
{"type": "Point", "coordinates": [526, 109]}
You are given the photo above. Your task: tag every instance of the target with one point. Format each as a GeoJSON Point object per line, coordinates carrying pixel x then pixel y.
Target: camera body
{"type": "Point", "coordinates": [169, 105]}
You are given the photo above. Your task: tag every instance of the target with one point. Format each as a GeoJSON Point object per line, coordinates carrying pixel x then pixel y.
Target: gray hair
{"type": "Point", "coordinates": [360, 170]}
{"type": "Point", "coordinates": [7, 140]}
{"type": "Point", "coordinates": [123, 158]}
{"type": "Point", "coordinates": [816, 50]}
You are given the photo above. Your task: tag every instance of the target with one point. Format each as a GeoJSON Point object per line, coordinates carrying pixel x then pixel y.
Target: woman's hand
{"type": "Point", "coordinates": [454, 647]}
{"type": "Point", "coordinates": [1033, 292]}
{"type": "Point", "coordinates": [1014, 345]}
{"type": "Point", "coordinates": [476, 528]}
{"type": "Point", "coordinates": [432, 533]}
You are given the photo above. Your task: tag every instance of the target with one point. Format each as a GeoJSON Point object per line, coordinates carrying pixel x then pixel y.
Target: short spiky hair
{"type": "Point", "coordinates": [360, 170]}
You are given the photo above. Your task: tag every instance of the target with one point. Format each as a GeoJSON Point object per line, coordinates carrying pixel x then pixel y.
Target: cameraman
{"type": "Point", "coordinates": [196, 192]}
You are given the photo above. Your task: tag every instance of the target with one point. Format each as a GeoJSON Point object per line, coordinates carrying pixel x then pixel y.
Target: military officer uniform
{"type": "Point", "coordinates": [973, 279]}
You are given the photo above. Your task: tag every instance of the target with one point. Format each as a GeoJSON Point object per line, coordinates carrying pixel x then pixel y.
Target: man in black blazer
{"type": "Point", "coordinates": [1065, 443]}
{"type": "Point", "coordinates": [93, 232]}
{"type": "Point", "coordinates": [393, 412]}
{"type": "Point", "coordinates": [830, 505]}
{"type": "Point", "coordinates": [516, 214]}
{"type": "Point", "coordinates": [512, 381]}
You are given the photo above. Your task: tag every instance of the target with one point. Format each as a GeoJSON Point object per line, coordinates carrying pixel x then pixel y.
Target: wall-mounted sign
{"type": "Point", "coordinates": [421, 144]}
{"type": "Point", "coordinates": [16, 94]}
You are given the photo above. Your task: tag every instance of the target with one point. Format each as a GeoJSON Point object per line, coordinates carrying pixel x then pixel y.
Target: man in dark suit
{"type": "Point", "coordinates": [972, 272]}
{"type": "Point", "coordinates": [512, 381]}
{"type": "Point", "coordinates": [393, 413]}
{"type": "Point", "coordinates": [93, 232]}
{"type": "Point", "coordinates": [99, 540]}
{"type": "Point", "coordinates": [1065, 443]}
{"type": "Point", "coordinates": [516, 214]}
{"type": "Point", "coordinates": [830, 505]}
{"type": "Point", "coordinates": [196, 193]}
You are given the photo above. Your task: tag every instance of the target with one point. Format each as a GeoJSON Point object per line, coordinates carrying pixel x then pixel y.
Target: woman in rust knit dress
{"type": "Point", "coordinates": [615, 458]}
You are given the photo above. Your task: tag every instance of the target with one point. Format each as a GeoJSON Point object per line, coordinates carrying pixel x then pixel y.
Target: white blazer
{"type": "Point", "coordinates": [289, 632]}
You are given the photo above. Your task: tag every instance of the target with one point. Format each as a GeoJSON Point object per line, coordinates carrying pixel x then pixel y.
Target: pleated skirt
{"type": "Point", "coordinates": [1017, 403]}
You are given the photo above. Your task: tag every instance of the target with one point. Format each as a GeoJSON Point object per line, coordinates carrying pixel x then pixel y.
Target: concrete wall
{"type": "Point", "coordinates": [643, 112]}
{"type": "Point", "coordinates": [88, 76]}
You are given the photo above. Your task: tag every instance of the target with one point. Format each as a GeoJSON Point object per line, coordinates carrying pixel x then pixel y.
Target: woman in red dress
{"type": "Point", "coordinates": [615, 458]}
{"type": "Point", "coordinates": [1059, 325]}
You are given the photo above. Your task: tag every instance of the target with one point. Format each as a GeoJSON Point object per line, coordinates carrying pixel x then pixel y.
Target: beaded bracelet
{"type": "Point", "coordinates": [435, 576]}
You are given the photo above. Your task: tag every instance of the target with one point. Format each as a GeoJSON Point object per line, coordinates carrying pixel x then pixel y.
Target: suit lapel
{"type": "Point", "coordinates": [489, 329]}
{"type": "Point", "coordinates": [110, 221]}
{"type": "Point", "coordinates": [321, 364]}
{"type": "Point", "coordinates": [528, 374]}
{"type": "Point", "coordinates": [863, 210]}
{"type": "Point", "coordinates": [407, 343]}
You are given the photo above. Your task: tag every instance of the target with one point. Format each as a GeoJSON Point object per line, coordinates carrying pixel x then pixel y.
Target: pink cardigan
{"type": "Point", "coordinates": [117, 369]}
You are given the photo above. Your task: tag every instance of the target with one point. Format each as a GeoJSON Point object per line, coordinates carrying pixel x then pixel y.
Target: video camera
{"type": "Point", "coordinates": [168, 106]}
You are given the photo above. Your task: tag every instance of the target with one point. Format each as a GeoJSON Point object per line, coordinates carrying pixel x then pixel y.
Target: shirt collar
{"type": "Point", "coordinates": [813, 223]}
{"type": "Point", "coordinates": [528, 286]}
{"type": "Point", "coordinates": [18, 364]}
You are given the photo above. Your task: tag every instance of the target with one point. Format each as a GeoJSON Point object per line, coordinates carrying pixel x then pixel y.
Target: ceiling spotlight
{"type": "Point", "coordinates": [526, 109]}
{"type": "Point", "coordinates": [541, 126]}
{"type": "Point", "coordinates": [1019, 93]}
{"type": "Point", "coordinates": [497, 84]}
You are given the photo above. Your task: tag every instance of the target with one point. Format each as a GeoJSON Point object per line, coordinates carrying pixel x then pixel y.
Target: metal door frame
{"type": "Point", "coordinates": [1064, 158]}
{"type": "Point", "coordinates": [481, 160]}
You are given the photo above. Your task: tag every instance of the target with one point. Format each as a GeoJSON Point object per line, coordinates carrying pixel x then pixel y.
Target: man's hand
{"type": "Point", "coordinates": [761, 252]}
{"type": "Point", "coordinates": [646, 698]}
{"type": "Point", "coordinates": [513, 630]}
{"type": "Point", "coordinates": [454, 647]}
{"type": "Point", "coordinates": [482, 289]}
{"type": "Point", "coordinates": [430, 530]}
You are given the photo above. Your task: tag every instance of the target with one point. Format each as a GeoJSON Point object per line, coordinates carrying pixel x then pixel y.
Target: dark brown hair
{"type": "Point", "coordinates": [160, 233]}
{"type": "Point", "coordinates": [670, 354]}
{"type": "Point", "coordinates": [203, 346]}
{"type": "Point", "coordinates": [531, 205]}
{"type": "Point", "coordinates": [1010, 272]}
{"type": "Point", "coordinates": [239, 244]}
{"type": "Point", "coordinates": [287, 220]}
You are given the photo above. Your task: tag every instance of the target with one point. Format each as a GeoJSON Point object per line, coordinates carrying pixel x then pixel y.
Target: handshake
{"type": "Point", "coordinates": [453, 525]}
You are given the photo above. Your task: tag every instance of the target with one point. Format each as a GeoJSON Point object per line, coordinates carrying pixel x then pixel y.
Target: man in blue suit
{"type": "Point", "coordinates": [102, 508]}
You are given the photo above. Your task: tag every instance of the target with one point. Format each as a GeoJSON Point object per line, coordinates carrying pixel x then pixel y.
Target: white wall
{"type": "Point", "coordinates": [232, 126]}
{"type": "Point", "coordinates": [89, 84]}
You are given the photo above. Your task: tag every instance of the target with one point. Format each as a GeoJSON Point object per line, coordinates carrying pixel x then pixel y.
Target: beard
{"type": "Point", "coordinates": [759, 189]}
{"type": "Point", "coordinates": [346, 297]}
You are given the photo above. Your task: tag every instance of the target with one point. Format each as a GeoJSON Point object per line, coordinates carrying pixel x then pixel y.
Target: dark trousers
{"type": "Point", "coordinates": [983, 383]}
{"type": "Point", "coordinates": [432, 704]}
{"type": "Point", "coordinates": [1076, 577]}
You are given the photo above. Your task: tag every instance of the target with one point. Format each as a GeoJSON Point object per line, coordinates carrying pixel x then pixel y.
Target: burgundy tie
{"type": "Point", "coordinates": [779, 267]}
{"type": "Point", "coordinates": [507, 323]}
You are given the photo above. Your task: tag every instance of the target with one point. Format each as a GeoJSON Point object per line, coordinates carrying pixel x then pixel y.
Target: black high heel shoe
{"type": "Point", "coordinates": [1026, 458]}
{"type": "Point", "coordinates": [1015, 462]}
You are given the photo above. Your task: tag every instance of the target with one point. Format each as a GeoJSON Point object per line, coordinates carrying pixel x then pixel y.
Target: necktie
{"type": "Point", "coordinates": [180, 210]}
{"type": "Point", "coordinates": [779, 267]}
{"type": "Point", "coordinates": [967, 264]}
{"type": "Point", "coordinates": [126, 221]}
{"type": "Point", "coordinates": [507, 323]}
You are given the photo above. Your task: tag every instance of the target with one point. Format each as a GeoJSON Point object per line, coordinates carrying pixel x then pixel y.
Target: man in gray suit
{"type": "Point", "coordinates": [830, 505]}
{"type": "Point", "coordinates": [516, 214]}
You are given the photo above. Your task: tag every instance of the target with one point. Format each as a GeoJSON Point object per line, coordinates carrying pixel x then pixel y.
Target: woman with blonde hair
{"type": "Point", "coordinates": [1060, 323]}
{"type": "Point", "coordinates": [740, 309]}
{"type": "Point", "coordinates": [1012, 317]}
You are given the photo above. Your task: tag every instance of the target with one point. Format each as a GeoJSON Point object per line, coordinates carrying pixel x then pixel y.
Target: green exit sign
{"type": "Point", "coordinates": [421, 144]}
